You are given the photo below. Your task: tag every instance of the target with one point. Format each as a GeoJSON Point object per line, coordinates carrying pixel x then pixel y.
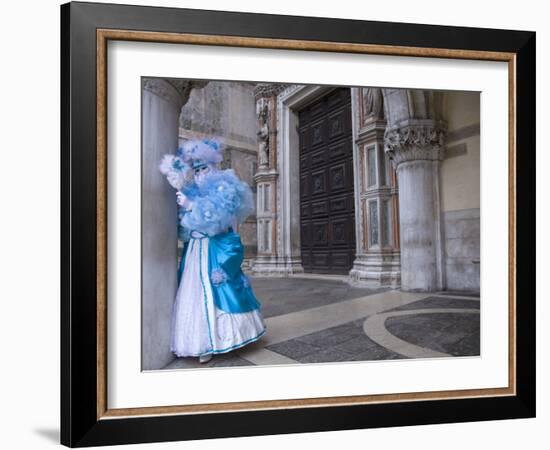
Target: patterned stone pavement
{"type": "Point", "coordinates": [318, 320]}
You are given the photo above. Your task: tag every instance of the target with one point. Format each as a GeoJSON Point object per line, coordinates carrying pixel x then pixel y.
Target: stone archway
{"type": "Point", "coordinates": [278, 212]}
{"type": "Point", "coordinates": [278, 177]}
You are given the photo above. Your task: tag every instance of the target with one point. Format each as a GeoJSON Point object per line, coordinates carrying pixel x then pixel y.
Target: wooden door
{"type": "Point", "coordinates": [326, 184]}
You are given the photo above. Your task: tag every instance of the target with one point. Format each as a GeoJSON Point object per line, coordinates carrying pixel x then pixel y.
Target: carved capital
{"type": "Point", "coordinates": [263, 90]}
{"type": "Point", "coordinates": [173, 90]}
{"type": "Point", "coordinates": [184, 87]}
{"type": "Point", "coordinates": [415, 141]}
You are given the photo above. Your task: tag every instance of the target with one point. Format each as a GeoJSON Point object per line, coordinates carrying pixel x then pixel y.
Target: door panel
{"type": "Point", "coordinates": [326, 184]}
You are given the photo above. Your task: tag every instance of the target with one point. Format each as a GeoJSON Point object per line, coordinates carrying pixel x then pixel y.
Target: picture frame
{"type": "Point", "coordinates": [86, 28]}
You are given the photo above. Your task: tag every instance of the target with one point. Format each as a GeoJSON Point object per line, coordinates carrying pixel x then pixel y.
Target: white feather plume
{"type": "Point", "coordinates": [175, 170]}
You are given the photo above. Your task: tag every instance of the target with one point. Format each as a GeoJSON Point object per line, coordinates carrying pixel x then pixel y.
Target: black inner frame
{"type": "Point", "coordinates": [79, 425]}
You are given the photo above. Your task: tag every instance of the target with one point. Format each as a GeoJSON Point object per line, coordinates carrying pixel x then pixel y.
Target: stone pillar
{"type": "Point", "coordinates": [162, 101]}
{"type": "Point", "coordinates": [377, 260]}
{"type": "Point", "coordinates": [267, 177]}
{"type": "Point", "coordinates": [416, 149]}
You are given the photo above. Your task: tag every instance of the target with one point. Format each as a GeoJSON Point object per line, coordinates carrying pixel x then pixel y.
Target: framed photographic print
{"type": "Point", "coordinates": [279, 224]}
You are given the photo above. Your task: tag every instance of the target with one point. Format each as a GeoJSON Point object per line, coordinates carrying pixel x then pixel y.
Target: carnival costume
{"type": "Point", "coordinates": [215, 309]}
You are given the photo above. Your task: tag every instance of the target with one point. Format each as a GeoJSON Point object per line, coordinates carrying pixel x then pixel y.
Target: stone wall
{"type": "Point", "coordinates": [227, 110]}
{"type": "Point", "coordinates": [460, 168]}
{"type": "Point", "coordinates": [462, 248]}
{"type": "Point", "coordinates": [460, 191]}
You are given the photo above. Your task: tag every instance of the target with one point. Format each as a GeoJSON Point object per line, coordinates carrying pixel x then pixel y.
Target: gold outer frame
{"type": "Point", "coordinates": [103, 36]}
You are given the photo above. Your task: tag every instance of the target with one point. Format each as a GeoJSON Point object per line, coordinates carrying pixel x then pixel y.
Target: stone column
{"type": "Point", "coordinates": [416, 149]}
{"type": "Point", "coordinates": [377, 257]}
{"type": "Point", "coordinates": [266, 262]}
{"type": "Point", "coordinates": [162, 100]}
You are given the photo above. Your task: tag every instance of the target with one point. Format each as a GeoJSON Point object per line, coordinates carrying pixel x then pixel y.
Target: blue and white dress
{"type": "Point", "coordinates": [215, 309]}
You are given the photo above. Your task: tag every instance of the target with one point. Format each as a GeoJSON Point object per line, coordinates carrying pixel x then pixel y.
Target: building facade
{"type": "Point", "coordinates": [379, 184]}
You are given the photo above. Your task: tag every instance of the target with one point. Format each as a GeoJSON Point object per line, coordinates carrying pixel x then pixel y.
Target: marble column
{"type": "Point", "coordinates": [162, 101]}
{"type": "Point", "coordinates": [416, 149]}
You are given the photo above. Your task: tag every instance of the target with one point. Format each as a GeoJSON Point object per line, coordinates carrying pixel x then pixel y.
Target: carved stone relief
{"type": "Point", "coordinates": [373, 103]}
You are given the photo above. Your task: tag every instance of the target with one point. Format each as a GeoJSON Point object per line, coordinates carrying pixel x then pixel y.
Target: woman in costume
{"type": "Point", "coordinates": [215, 309]}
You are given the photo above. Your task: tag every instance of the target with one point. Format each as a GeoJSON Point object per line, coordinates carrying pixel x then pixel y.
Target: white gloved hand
{"type": "Point", "coordinates": [182, 200]}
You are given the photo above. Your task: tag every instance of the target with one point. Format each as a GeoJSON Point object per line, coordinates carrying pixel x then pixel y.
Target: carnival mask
{"type": "Point", "coordinates": [200, 173]}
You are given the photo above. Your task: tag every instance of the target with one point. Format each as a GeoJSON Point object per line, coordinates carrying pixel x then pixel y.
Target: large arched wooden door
{"type": "Point", "coordinates": [327, 212]}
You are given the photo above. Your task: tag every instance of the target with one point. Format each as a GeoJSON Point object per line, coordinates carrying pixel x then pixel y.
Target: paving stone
{"type": "Point", "coordinates": [365, 349]}
{"type": "Point", "coordinates": [221, 360]}
{"type": "Point", "coordinates": [294, 348]}
{"type": "Point", "coordinates": [183, 363]}
{"type": "Point", "coordinates": [377, 353]}
{"type": "Point", "coordinates": [356, 345]}
{"type": "Point", "coordinates": [455, 334]}
{"type": "Point", "coordinates": [438, 302]}
{"type": "Point", "coordinates": [227, 360]}
{"type": "Point", "coordinates": [459, 293]}
{"type": "Point", "coordinates": [326, 355]}
{"type": "Point", "coordinates": [279, 296]}
{"type": "Point", "coordinates": [354, 328]}
{"type": "Point", "coordinates": [328, 337]}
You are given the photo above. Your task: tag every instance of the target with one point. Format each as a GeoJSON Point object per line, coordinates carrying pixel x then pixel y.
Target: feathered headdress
{"type": "Point", "coordinates": [201, 152]}
{"type": "Point", "coordinates": [191, 155]}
